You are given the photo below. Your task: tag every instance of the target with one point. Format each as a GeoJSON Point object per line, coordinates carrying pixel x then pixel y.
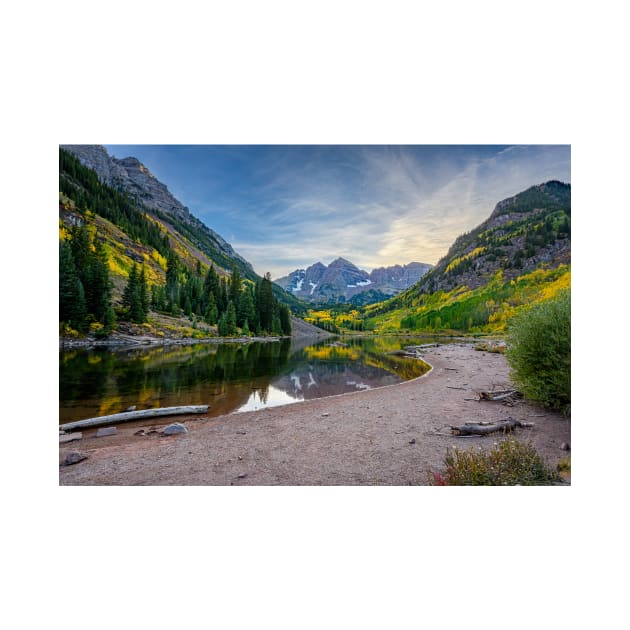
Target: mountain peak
{"type": "Point", "coordinates": [340, 261]}
{"type": "Point", "coordinates": [136, 180]}
{"type": "Point", "coordinates": [550, 194]}
{"type": "Point", "coordinates": [343, 281]}
{"type": "Point", "coordinates": [528, 231]}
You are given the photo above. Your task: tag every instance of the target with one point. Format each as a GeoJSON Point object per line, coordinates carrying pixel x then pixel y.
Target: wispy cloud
{"type": "Point", "coordinates": [286, 207]}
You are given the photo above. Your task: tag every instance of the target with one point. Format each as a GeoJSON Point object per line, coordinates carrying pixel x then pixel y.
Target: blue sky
{"type": "Point", "coordinates": [286, 207]}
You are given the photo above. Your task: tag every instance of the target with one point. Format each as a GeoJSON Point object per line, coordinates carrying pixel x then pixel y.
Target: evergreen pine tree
{"type": "Point", "coordinates": [245, 307]}
{"type": "Point", "coordinates": [98, 284]}
{"type": "Point", "coordinates": [234, 290]}
{"type": "Point", "coordinates": [222, 296]}
{"type": "Point", "coordinates": [72, 308]}
{"type": "Point", "coordinates": [212, 314]}
{"type": "Point", "coordinates": [265, 303]}
{"type": "Point", "coordinates": [285, 319]}
{"type": "Point", "coordinates": [188, 306]}
{"type": "Point", "coordinates": [131, 288]}
{"type": "Point", "coordinates": [172, 284]}
{"type": "Point", "coordinates": [230, 318]}
{"type": "Point", "coordinates": [81, 249]}
{"type": "Point", "coordinates": [276, 327]}
{"type": "Point", "coordinates": [109, 321]}
{"type": "Point", "coordinates": [210, 287]}
{"type": "Point", "coordinates": [132, 296]}
{"type": "Point", "coordinates": [222, 325]}
{"type": "Point", "coordinates": [144, 293]}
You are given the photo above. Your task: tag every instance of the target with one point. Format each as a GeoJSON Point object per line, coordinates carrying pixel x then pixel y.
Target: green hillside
{"type": "Point", "coordinates": [519, 256]}
{"type": "Point", "coordinates": [180, 263]}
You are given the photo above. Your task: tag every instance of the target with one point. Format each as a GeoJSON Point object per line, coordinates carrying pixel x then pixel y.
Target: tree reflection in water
{"type": "Point", "coordinates": [228, 377]}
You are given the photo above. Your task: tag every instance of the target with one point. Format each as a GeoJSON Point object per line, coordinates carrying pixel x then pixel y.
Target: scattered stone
{"type": "Point", "coordinates": [151, 432]}
{"type": "Point", "coordinates": [175, 428]}
{"type": "Point", "coordinates": [242, 476]}
{"type": "Point", "coordinates": [73, 457]}
{"type": "Point", "coordinates": [62, 432]}
{"type": "Point", "coordinates": [69, 437]}
{"type": "Point", "coordinates": [565, 447]}
{"type": "Point", "coordinates": [325, 415]}
{"type": "Point", "coordinates": [413, 441]}
{"type": "Point", "coordinates": [105, 431]}
{"type": "Point", "coordinates": [132, 408]}
{"type": "Point", "coordinates": [139, 432]}
{"type": "Point", "coordinates": [241, 432]}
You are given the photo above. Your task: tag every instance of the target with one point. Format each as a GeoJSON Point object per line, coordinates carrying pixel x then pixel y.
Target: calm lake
{"type": "Point", "coordinates": [229, 377]}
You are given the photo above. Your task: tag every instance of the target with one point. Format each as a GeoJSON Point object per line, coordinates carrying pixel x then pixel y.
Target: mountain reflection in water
{"type": "Point", "coordinates": [228, 377]}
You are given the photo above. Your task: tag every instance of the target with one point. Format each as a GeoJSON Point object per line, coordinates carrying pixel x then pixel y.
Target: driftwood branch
{"type": "Point", "coordinates": [501, 394]}
{"type": "Point", "coordinates": [129, 416]}
{"type": "Point", "coordinates": [484, 428]}
{"type": "Point", "coordinates": [505, 396]}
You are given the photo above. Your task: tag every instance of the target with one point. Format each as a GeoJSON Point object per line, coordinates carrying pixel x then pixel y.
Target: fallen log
{"type": "Point", "coordinates": [129, 416]}
{"type": "Point", "coordinates": [508, 396]}
{"type": "Point", "coordinates": [421, 347]}
{"type": "Point", "coordinates": [403, 353]}
{"type": "Point", "coordinates": [484, 428]}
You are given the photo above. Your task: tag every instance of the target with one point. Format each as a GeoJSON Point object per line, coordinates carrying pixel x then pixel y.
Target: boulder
{"type": "Point", "coordinates": [69, 437]}
{"type": "Point", "coordinates": [73, 457]}
{"type": "Point", "coordinates": [174, 429]}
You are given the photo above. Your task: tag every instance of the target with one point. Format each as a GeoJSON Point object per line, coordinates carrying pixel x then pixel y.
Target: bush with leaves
{"type": "Point", "coordinates": [509, 463]}
{"type": "Point", "coordinates": [539, 352]}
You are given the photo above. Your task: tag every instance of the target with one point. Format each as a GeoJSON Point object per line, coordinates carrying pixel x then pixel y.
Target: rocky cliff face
{"type": "Point", "coordinates": [134, 178]}
{"type": "Point", "coordinates": [398, 277]}
{"type": "Point", "coordinates": [130, 175]}
{"type": "Point", "coordinates": [342, 281]}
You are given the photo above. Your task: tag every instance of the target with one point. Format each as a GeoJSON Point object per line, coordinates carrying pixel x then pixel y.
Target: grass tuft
{"type": "Point", "coordinates": [508, 463]}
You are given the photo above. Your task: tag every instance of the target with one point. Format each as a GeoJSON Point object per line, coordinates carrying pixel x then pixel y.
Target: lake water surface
{"type": "Point", "coordinates": [229, 377]}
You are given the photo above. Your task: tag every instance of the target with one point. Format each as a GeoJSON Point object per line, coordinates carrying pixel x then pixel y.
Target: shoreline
{"type": "Point", "coordinates": [391, 435]}
{"type": "Point", "coordinates": [148, 342]}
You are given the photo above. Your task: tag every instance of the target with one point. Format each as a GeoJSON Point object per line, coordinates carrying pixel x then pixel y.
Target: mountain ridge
{"type": "Point", "coordinates": [521, 254]}
{"type": "Point", "coordinates": [138, 221]}
{"type": "Point", "coordinates": [523, 232]}
{"type": "Point", "coordinates": [134, 178]}
{"type": "Point", "coordinates": [342, 281]}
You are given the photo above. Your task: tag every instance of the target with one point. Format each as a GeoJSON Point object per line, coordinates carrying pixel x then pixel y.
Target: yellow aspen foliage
{"type": "Point", "coordinates": [470, 255]}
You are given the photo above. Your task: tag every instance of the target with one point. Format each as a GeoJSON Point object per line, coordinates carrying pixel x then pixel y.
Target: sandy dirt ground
{"type": "Point", "coordinates": [388, 436]}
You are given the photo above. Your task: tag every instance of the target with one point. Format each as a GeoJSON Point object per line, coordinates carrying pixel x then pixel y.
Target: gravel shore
{"type": "Point", "coordinates": [388, 436]}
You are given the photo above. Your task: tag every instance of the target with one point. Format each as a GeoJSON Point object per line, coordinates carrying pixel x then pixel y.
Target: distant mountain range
{"type": "Point", "coordinates": [342, 281]}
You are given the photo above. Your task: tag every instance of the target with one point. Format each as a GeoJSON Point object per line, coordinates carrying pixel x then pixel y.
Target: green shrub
{"type": "Point", "coordinates": [539, 352]}
{"type": "Point", "coordinates": [509, 463]}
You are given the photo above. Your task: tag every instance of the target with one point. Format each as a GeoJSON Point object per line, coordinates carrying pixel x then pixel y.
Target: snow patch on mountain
{"type": "Point", "coordinates": [342, 280]}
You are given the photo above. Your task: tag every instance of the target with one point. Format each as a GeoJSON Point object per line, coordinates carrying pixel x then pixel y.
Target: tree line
{"type": "Point", "coordinates": [85, 289]}
{"type": "Point", "coordinates": [228, 302]}
{"type": "Point", "coordinates": [85, 294]}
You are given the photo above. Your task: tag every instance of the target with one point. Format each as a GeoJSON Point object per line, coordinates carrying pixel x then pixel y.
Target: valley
{"type": "Point", "coordinates": [518, 256]}
{"type": "Point", "coordinates": [158, 309]}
